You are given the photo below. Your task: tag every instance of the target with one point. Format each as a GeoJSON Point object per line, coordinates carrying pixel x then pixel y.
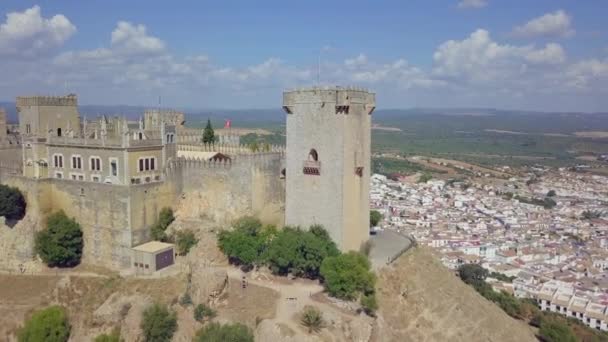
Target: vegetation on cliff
{"type": "Point", "coordinates": [61, 243]}
{"type": "Point", "coordinates": [12, 203]}
{"type": "Point", "coordinates": [215, 332]}
{"type": "Point", "coordinates": [552, 327]}
{"type": "Point", "coordinates": [47, 325]}
{"type": "Point", "coordinates": [158, 324]}
{"type": "Point", "coordinates": [165, 218]}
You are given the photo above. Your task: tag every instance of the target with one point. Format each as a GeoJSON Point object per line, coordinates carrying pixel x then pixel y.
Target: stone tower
{"type": "Point", "coordinates": [328, 161]}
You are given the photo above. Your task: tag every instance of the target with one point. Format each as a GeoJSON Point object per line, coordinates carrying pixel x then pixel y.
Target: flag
{"type": "Point", "coordinates": [228, 124]}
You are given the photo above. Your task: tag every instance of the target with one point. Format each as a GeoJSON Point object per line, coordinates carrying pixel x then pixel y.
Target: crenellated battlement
{"type": "Point", "coordinates": [232, 149]}
{"type": "Point", "coordinates": [68, 100]}
{"type": "Point", "coordinates": [338, 98]}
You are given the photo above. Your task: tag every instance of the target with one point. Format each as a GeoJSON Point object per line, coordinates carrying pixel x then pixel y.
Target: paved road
{"type": "Point", "coordinates": [386, 244]}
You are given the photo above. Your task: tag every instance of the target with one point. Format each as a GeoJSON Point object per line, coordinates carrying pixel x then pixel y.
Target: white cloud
{"type": "Point", "coordinates": [479, 59]}
{"type": "Point", "coordinates": [472, 3]}
{"type": "Point", "coordinates": [361, 59]}
{"type": "Point", "coordinates": [130, 38]}
{"type": "Point", "coordinates": [28, 34]}
{"type": "Point", "coordinates": [556, 24]}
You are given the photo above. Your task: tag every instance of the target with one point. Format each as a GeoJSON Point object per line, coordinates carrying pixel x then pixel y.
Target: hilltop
{"type": "Point", "coordinates": [421, 300]}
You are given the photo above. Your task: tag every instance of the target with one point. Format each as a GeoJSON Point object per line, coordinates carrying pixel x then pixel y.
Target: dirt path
{"type": "Point", "coordinates": [293, 296]}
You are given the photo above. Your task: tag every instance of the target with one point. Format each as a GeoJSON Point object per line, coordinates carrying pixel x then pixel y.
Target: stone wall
{"type": "Point", "coordinates": [114, 218]}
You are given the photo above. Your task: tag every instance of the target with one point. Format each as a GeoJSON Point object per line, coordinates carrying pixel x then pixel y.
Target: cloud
{"type": "Point", "coordinates": [556, 24]}
{"type": "Point", "coordinates": [472, 3]}
{"type": "Point", "coordinates": [28, 34]}
{"type": "Point", "coordinates": [479, 59]}
{"type": "Point", "coordinates": [361, 59]}
{"type": "Point", "coordinates": [133, 39]}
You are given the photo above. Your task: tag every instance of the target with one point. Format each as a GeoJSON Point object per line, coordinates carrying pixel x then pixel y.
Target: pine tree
{"type": "Point", "coordinates": [208, 134]}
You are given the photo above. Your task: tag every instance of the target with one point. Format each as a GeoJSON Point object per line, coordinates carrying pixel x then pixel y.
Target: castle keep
{"type": "Point", "coordinates": [114, 176]}
{"type": "Point", "coordinates": [328, 161]}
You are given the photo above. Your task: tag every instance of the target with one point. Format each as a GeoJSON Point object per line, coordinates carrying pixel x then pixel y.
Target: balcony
{"type": "Point", "coordinates": [311, 167]}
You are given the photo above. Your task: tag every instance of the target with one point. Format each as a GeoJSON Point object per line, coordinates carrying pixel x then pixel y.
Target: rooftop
{"type": "Point", "coordinates": [153, 247]}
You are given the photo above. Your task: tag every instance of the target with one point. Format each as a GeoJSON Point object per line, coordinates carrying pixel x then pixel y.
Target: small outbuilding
{"type": "Point", "coordinates": [153, 256]}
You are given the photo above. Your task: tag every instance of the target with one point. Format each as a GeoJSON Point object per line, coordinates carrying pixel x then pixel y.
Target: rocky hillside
{"type": "Point", "coordinates": [421, 300]}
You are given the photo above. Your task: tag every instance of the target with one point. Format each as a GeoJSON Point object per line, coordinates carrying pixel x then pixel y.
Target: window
{"type": "Point", "coordinates": [313, 155]}
{"type": "Point", "coordinates": [58, 175]}
{"type": "Point", "coordinates": [95, 178]}
{"type": "Point", "coordinates": [58, 132]}
{"type": "Point", "coordinates": [95, 163]}
{"type": "Point", "coordinates": [141, 136]}
{"type": "Point", "coordinates": [359, 171]}
{"type": "Point", "coordinates": [113, 167]}
{"type": "Point", "coordinates": [58, 160]}
{"type": "Point", "coordinates": [77, 162]}
{"type": "Point", "coordinates": [147, 164]}
{"type": "Point", "coordinates": [28, 128]}
{"type": "Point", "coordinates": [73, 176]}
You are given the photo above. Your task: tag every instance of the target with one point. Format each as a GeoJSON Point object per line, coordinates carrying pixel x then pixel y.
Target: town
{"type": "Point", "coordinates": [540, 232]}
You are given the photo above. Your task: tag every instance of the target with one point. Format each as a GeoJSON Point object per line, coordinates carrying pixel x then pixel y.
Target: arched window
{"type": "Point", "coordinates": [141, 136]}
{"type": "Point", "coordinates": [313, 155]}
{"type": "Point", "coordinates": [58, 132]}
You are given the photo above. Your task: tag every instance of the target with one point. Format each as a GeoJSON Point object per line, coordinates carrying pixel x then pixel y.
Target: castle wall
{"type": "Point", "coordinates": [3, 131]}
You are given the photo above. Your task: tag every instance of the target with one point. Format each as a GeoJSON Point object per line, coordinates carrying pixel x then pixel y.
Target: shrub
{"type": "Point", "coordinates": [202, 311]}
{"type": "Point", "coordinates": [158, 324]}
{"type": "Point", "coordinates": [48, 325]}
{"type": "Point", "coordinates": [555, 331]}
{"type": "Point", "coordinates": [369, 304]}
{"type": "Point", "coordinates": [215, 332]}
{"type": "Point", "coordinates": [165, 218]}
{"type": "Point", "coordinates": [61, 243]}
{"type": "Point", "coordinates": [185, 240]}
{"type": "Point", "coordinates": [312, 319]}
{"type": "Point", "coordinates": [425, 177]}
{"type": "Point", "coordinates": [472, 274]}
{"type": "Point", "coordinates": [12, 203]}
{"type": "Point", "coordinates": [114, 336]}
{"type": "Point", "coordinates": [347, 274]}
{"type": "Point", "coordinates": [551, 193]}
{"type": "Point", "coordinates": [185, 300]}
{"type": "Point", "coordinates": [374, 218]}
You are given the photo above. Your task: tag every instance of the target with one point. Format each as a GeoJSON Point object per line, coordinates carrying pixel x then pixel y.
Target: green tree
{"type": "Point", "coordinates": [61, 243]}
{"type": "Point", "coordinates": [185, 240]}
{"type": "Point", "coordinates": [47, 325]}
{"type": "Point", "coordinates": [165, 218]}
{"type": "Point", "coordinates": [369, 304]}
{"type": "Point", "coordinates": [473, 274]}
{"type": "Point", "coordinates": [158, 324]}
{"type": "Point", "coordinates": [12, 203]}
{"type": "Point", "coordinates": [300, 252]}
{"type": "Point", "coordinates": [374, 218]}
{"type": "Point", "coordinates": [425, 177]}
{"type": "Point", "coordinates": [202, 311]}
{"type": "Point", "coordinates": [348, 274]}
{"type": "Point", "coordinates": [215, 332]}
{"type": "Point", "coordinates": [114, 336]}
{"type": "Point", "coordinates": [208, 133]}
{"type": "Point", "coordinates": [312, 318]}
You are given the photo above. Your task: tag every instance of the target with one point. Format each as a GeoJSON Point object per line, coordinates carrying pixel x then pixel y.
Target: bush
{"type": "Point", "coordinates": [473, 274]}
{"type": "Point", "coordinates": [158, 324]}
{"type": "Point", "coordinates": [374, 218]}
{"type": "Point", "coordinates": [347, 274]}
{"type": "Point", "coordinates": [48, 325]}
{"type": "Point", "coordinates": [369, 304]}
{"type": "Point", "coordinates": [185, 300]}
{"type": "Point", "coordinates": [551, 193]}
{"type": "Point", "coordinates": [555, 331]}
{"type": "Point", "coordinates": [185, 240]}
{"type": "Point", "coordinates": [12, 203]}
{"type": "Point", "coordinates": [312, 319]}
{"type": "Point", "coordinates": [202, 311]}
{"type": "Point", "coordinates": [165, 218]}
{"type": "Point", "coordinates": [61, 243]}
{"type": "Point", "coordinates": [215, 332]}
{"type": "Point", "coordinates": [425, 177]}
{"type": "Point", "coordinates": [114, 336]}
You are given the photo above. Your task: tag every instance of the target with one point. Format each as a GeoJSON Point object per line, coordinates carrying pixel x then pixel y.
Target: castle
{"type": "Point", "coordinates": [114, 176]}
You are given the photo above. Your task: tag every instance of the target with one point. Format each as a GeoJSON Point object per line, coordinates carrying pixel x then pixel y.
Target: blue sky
{"type": "Point", "coordinates": [517, 54]}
